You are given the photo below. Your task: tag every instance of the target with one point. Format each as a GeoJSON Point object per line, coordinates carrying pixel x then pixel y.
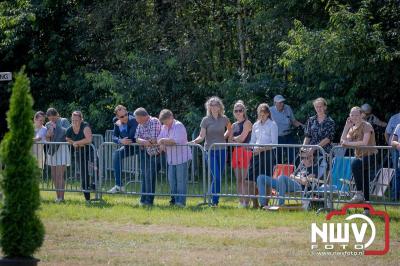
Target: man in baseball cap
{"type": "Point", "coordinates": [279, 98]}
{"type": "Point", "coordinates": [283, 116]}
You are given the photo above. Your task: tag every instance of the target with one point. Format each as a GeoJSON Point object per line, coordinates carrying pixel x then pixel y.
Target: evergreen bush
{"type": "Point", "coordinates": [21, 230]}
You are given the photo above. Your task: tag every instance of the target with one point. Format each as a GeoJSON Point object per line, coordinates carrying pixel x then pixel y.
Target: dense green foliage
{"type": "Point", "coordinates": [92, 55]}
{"type": "Point", "coordinates": [20, 227]}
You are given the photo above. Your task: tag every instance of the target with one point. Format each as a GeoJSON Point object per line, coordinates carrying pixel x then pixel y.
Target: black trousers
{"type": "Point", "coordinates": [261, 164]}
{"type": "Point", "coordinates": [363, 170]}
{"type": "Point", "coordinates": [82, 158]}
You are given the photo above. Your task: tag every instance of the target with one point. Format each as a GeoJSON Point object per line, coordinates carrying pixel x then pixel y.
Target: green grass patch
{"type": "Point", "coordinates": [117, 231]}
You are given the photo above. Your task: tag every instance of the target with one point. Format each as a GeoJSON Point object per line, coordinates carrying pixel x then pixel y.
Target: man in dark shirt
{"type": "Point", "coordinates": [124, 134]}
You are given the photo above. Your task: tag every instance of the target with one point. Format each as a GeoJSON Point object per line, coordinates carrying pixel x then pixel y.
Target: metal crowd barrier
{"type": "Point", "coordinates": [264, 172]}
{"type": "Point", "coordinates": [378, 171]}
{"type": "Point", "coordinates": [133, 160]}
{"type": "Point", "coordinates": [246, 172]}
{"type": "Point", "coordinates": [97, 140]}
{"type": "Point", "coordinates": [65, 168]}
{"type": "Point", "coordinates": [108, 135]}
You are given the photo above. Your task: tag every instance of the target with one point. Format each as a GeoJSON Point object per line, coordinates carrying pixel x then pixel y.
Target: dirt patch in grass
{"type": "Point", "coordinates": [93, 242]}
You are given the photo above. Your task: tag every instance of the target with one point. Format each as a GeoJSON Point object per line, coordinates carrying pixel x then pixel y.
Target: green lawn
{"type": "Point", "coordinates": [120, 232]}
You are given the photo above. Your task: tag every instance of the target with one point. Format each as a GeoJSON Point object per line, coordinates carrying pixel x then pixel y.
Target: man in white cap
{"type": "Point", "coordinates": [283, 116]}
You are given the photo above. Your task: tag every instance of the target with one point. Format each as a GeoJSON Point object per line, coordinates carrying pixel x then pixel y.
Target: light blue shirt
{"type": "Point", "coordinates": [123, 127]}
{"type": "Point", "coordinates": [391, 126]}
{"type": "Point", "coordinates": [284, 119]}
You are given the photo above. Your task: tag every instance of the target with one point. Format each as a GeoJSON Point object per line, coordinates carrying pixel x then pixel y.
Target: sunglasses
{"type": "Point", "coordinates": [238, 111]}
{"type": "Point", "coordinates": [122, 116]}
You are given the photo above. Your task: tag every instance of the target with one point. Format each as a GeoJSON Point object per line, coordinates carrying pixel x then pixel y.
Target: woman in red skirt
{"type": "Point", "coordinates": [241, 131]}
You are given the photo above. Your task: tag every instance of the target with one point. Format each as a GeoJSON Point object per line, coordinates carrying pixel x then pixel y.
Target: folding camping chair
{"type": "Point", "coordinates": [340, 180]}
{"type": "Point", "coordinates": [381, 182]}
{"type": "Point", "coordinates": [283, 169]}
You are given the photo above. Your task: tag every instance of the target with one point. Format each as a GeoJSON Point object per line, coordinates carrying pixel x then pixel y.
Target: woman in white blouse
{"type": "Point", "coordinates": [265, 131]}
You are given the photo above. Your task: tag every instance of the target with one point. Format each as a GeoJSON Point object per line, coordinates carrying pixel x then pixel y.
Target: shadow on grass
{"type": "Point", "coordinates": [104, 203]}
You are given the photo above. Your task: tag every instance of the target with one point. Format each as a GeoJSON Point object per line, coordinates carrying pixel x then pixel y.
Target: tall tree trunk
{"type": "Point", "coordinates": [242, 71]}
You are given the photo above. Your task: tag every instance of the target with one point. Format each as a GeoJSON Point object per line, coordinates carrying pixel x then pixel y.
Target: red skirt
{"type": "Point", "coordinates": [241, 157]}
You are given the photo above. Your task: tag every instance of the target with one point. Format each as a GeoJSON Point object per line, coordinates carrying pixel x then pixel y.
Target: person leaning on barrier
{"type": "Point", "coordinates": [146, 135]}
{"type": "Point", "coordinates": [124, 134]}
{"type": "Point", "coordinates": [310, 171]}
{"type": "Point", "coordinates": [173, 140]}
{"type": "Point", "coordinates": [215, 128]}
{"type": "Point", "coordinates": [396, 182]}
{"type": "Point", "coordinates": [40, 136]}
{"type": "Point", "coordinates": [320, 128]}
{"type": "Point", "coordinates": [241, 156]}
{"type": "Point", "coordinates": [265, 131]}
{"type": "Point", "coordinates": [57, 155]}
{"type": "Point", "coordinates": [284, 118]}
{"type": "Point", "coordinates": [79, 135]}
{"type": "Point", "coordinates": [358, 132]}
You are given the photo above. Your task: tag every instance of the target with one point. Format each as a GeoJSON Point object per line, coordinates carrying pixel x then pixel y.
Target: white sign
{"type": "Point", "coordinates": [5, 76]}
{"type": "Point", "coordinates": [336, 234]}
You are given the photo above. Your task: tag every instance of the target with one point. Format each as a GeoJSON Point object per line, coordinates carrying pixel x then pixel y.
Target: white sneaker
{"type": "Point", "coordinates": [116, 189]}
{"type": "Point", "coordinates": [243, 205]}
{"type": "Point", "coordinates": [357, 198]}
{"type": "Point", "coordinates": [59, 201]}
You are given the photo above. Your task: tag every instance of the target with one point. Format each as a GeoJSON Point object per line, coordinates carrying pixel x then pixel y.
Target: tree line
{"type": "Point", "coordinates": [92, 55]}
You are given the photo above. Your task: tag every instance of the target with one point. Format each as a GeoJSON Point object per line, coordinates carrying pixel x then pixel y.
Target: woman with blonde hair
{"type": "Point", "coordinates": [320, 128]}
{"type": "Point", "coordinates": [215, 128]}
{"type": "Point", "coordinates": [358, 132]}
{"type": "Point", "coordinates": [241, 156]}
{"type": "Point", "coordinates": [79, 135]}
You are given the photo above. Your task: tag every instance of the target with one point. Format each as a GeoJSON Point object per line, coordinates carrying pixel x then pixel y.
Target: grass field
{"type": "Point", "coordinates": [120, 232]}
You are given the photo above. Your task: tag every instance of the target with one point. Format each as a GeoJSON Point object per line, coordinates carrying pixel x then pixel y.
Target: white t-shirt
{"type": "Point", "coordinates": [41, 133]}
{"type": "Point", "coordinates": [266, 133]}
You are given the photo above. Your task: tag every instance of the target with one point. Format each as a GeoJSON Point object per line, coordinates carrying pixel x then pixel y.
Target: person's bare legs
{"type": "Point", "coordinates": [241, 174]}
{"type": "Point", "coordinates": [57, 174]}
{"type": "Point", "coordinates": [248, 188]}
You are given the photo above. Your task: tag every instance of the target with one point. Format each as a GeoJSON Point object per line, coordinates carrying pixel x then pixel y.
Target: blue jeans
{"type": "Point", "coordinates": [283, 184]}
{"type": "Point", "coordinates": [395, 184]}
{"type": "Point", "coordinates": [117, 157]}
{"type": "Point", "coordinates": [149, 166]}
{"type": "Point", "coordinates": [177, 178]}
{"type": "Point", "coordinates": [217, 167]}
